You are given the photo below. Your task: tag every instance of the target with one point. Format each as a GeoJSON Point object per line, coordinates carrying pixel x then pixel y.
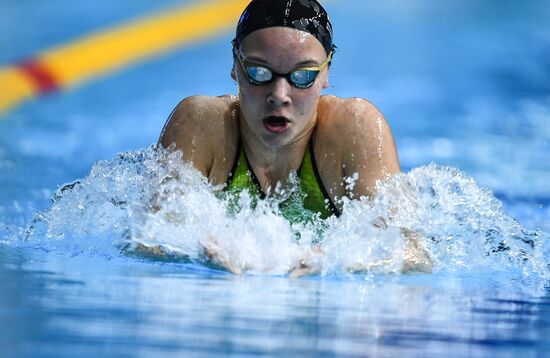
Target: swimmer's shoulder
{"type": "Point", "coordinates": [342, 117]}
{"type": "Point", "coordinates": [205, 129]}
{"type": "Point", "coordinates": [356, 135]}
{"type": "Point", "coordinates": [350, 122]}
{"type": "Point", "coordinates": [200, 117]}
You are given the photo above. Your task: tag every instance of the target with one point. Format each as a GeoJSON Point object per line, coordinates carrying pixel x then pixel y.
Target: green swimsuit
{"type": "Point", "coordinates": [313, 196]}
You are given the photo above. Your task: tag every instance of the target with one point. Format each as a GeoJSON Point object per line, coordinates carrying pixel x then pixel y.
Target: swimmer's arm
{"type": "Point", "coordinates": [187, 130]}
{"type": "Point", "coordinates": [370, 153]}
{"type": "Point", "coordinates": [371, 156]}
{"type": "Point", "coordinates": [415, 260]}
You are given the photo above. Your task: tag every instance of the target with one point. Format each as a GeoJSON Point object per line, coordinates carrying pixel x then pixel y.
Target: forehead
{"type": "Point", "coordinates": [282, 40]}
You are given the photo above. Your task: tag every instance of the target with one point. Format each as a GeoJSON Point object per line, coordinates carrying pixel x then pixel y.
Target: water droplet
{"type": "Point", "coordinates": [463, 225]}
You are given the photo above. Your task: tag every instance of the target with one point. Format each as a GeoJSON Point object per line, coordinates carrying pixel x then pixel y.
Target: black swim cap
{"type": "Point", "coordinates": [303, 15]}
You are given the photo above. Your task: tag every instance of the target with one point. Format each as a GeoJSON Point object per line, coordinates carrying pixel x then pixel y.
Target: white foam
{"type": "Point", "coordinates": [151, 199]}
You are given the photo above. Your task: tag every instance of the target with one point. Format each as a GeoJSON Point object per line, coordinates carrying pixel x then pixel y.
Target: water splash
{"type": "Point", "coordinates": [151, 203]}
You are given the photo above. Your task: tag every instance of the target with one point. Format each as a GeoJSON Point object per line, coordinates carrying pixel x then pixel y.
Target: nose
{"type": "Point", "coordinates": [280, 94]}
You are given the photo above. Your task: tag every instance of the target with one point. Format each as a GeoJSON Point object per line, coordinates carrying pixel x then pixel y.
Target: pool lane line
{"type": "Point", "coordinates": [106, 51]}
{"type": "Point", "coordinates": [40, 76]}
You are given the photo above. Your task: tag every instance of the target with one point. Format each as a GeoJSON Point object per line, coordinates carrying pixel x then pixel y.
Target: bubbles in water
{"type": "Point", "coordinates": [151, 203]}
{"type": "Point", "coordinates": [463, 225]}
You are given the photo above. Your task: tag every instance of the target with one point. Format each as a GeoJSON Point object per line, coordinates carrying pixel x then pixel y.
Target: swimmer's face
{"type": "Point", "coordinates": [279, 113]}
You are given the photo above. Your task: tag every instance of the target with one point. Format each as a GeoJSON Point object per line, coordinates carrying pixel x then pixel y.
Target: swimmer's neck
{"type": "Point", "coordinates": [273, 164]}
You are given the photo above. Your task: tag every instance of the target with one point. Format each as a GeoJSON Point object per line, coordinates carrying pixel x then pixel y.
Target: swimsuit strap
{"type": "Point", "coordinates": [242, 176]}
{"type": "Point", "coordinates": [315, 199]}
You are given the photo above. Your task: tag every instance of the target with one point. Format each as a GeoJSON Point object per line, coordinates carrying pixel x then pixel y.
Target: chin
{"type": "Point", "coordinates": [274, 141]}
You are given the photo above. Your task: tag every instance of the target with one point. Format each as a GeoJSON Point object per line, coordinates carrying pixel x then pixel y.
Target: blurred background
{"type": "Point", "coordinates": [463, 83]}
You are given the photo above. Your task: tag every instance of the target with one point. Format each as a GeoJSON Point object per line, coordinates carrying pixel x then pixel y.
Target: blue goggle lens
{"type": "Point", "coordinates": [303, 77]}
{"type": "Point", "coordinates": [259, 74]}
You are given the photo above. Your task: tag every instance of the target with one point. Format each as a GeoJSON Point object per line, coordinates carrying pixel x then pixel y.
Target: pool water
{"type": "Point", "coordinates": [466, 89]}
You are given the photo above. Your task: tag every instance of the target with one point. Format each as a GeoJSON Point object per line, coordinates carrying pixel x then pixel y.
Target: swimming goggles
{"type": "Point", "coordinates": [302, 77]}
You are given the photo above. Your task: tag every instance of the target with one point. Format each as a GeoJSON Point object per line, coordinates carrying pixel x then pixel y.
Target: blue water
{"type": "Point", "coordinates": [463, 84]}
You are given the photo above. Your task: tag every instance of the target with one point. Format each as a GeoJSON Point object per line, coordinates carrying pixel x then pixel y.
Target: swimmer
{"type": "Point", "coordinates": [280, 123]}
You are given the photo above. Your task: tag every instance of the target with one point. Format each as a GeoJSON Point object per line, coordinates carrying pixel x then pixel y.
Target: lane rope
{"type": "Point", "coordinates": [40, 76]}
{"type": "Point", "coordinates": [106, 51]}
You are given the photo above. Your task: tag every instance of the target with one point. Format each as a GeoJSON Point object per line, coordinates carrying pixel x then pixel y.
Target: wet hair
{"type": "Point", "coordinates": [303, 15]}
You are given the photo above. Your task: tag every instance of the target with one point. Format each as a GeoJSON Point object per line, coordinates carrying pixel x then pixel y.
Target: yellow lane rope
{"type": "Point", "coordinates": [107, 51]}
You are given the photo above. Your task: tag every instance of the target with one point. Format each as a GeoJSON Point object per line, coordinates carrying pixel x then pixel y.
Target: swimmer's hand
{"type": "Point", "coordinates": [218, 256]}
{"type": "Point", "coordinates": [415, 260]}
{"type": "Point", "coordinates": [309, 265]}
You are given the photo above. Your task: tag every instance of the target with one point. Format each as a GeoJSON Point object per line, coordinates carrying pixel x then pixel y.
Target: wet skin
{"type": "Point", "coordinates": [276, 121]}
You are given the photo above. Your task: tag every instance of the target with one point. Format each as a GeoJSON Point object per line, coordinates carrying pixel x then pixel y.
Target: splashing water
{"type": "Point", "coordinates": [151, 203]}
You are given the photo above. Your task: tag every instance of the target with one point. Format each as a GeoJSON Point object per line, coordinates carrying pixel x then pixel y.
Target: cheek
{"type": "Point", "coordinates": [247, 92]}
{"type": "Point", "coordinates": [250, 100]}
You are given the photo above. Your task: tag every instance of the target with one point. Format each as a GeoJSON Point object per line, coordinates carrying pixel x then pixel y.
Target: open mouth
{"type": "Point", "coordinates": [276, 124]}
